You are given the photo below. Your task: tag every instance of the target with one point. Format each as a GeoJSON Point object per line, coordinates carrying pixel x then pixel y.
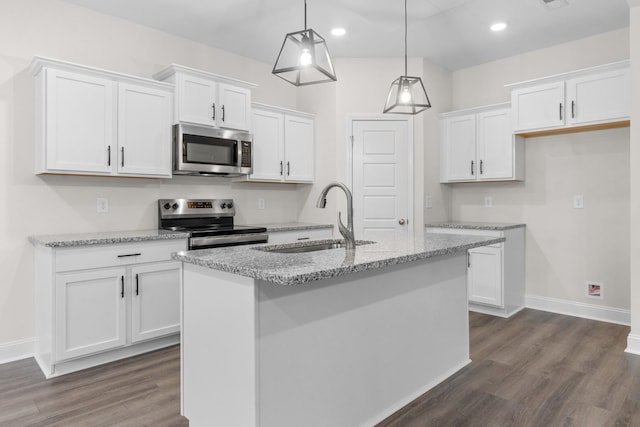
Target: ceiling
{"type": "Point", "coordinates": [452, 33]}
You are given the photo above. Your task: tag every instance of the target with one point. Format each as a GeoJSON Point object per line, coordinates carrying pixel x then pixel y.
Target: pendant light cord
{"type": "Point", "coordinates": [305, 15]}
{"type": "Point", "coordinates": [405, 35]}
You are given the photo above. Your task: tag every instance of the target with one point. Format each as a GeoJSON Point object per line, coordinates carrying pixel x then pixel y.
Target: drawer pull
{"type": "Point", "coordinates": [304, 238]}
{"type": "Point", "coordinates": [127, 255]}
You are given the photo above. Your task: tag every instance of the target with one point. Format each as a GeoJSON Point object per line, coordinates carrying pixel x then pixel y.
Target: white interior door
{"type": "Point", "coordinates": [381, 179]}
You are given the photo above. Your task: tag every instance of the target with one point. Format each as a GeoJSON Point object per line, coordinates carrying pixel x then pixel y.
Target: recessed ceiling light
{"type": "Point", "coordinates": [338, 32]}
{"type": "Point", "coordinates": [498, 26]}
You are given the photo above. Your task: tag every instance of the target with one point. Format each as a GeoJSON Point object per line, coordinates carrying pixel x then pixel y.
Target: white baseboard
{"type": "Point", "coordinates": [633, 344]}
{"type": "Point", "coordinates": [16, 350]}
{"type": "Point", "coordinates": [579, 309]}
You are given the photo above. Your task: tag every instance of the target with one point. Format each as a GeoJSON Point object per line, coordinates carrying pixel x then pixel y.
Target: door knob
{"type": "Point", "coordinates": [401, 221]}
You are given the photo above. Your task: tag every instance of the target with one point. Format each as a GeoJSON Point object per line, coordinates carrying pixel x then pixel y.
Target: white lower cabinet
{"type": "Point", "coordinates": [155, 291]}
{"type": "Point", "coordinates": [289, 236]}
{"type": "Point", "coordinates": [495, 273]}
{"type": "Point", "coordinates": [90, 314]}
{"type": "Point", "coordinates": [95, 304]}
{"type": "Point", "coordinates": [484, 275]}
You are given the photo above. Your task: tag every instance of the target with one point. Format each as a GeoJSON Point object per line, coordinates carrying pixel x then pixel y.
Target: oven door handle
{"type": "Point", "coordinates": [198, 242]}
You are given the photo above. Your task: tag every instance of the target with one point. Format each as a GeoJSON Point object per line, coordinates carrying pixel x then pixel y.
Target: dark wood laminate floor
{"type": "Point", "coordinates": [536, 369]}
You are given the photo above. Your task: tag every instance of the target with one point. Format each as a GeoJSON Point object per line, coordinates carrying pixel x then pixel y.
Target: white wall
{"type": "Point", "coordinates": [634, 338]}
{"type": "Point", "coordinates": [63, 204]}
{"type": "Point", "coordinates": [565, 246]}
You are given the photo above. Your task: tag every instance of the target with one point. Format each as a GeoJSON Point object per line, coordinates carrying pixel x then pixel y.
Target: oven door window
{"type": "Point", "coordinates": [210, 150]}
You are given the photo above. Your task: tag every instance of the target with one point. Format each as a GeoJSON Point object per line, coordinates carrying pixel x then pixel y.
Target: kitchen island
{"type": "Point", "coordinates": [325, 338]}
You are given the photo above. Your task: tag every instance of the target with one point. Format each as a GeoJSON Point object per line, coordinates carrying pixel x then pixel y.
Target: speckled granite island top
{"type": "Point", "coordinates": [104, 238]}
{"type": "Point", "coordinates": [498, 226]}
{"type": "Point", "coordinates": [293, 226]}
{"type": "Point", "coordinates": [293, 269]}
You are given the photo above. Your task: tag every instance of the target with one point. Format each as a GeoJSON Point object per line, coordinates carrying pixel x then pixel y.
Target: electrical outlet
{"type": "Point", "coordinates": [488, 201]}
{"type": "Point", "coordinates": [102, 205]}
{"type": "Point", "coordinates": [578, 201]}
{"type": "Point", "coordinates": [595, 289]}
{"type": "Point", "coordinates": [260, 203]}
{"type": "Point", "coordinates": [428, 202]}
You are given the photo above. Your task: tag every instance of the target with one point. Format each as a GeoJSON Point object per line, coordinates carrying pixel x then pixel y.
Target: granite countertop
{"type": "Point", "coordinates": [293, 269]}
{"type": "Point", "coordinates": [103, 238]}
{"type": "Point", "coordinates": [498, 226]}
{"type": "Point", "coordinates": [293, 226]}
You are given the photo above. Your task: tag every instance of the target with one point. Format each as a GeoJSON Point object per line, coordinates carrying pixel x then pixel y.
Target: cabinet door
{"type": "Point", "coordinates": [538, 107]}
{"type": "Point", "coordinates": [79, 123]}
{"type": "Point", "coordinates": [144, 131]}
{"type": "Point", "coordinates": [484, 276]}
{"type": "Point", "coordinates": [598, 98]}
{"type": "Point", "coordinates": [89, 312]}
{"type": "Point", "coordinates": [495, 145]}
{"type": "Point", "coordinates": [268, 146]}
{"type": "Point", "coordinates": [196, 100]}
{"type": "Point", "coordinates": [459, 148]}
{"type": "Point", "coordinates": [298, 149]}
{"type": "Point", "coordinates": [155, 296]}
{"type": "Point", "coordinates": [235, 107]}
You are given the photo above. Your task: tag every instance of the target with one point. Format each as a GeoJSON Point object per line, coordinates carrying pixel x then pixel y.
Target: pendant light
{"type": "Point", "coordinates": [304, 58]}
{"type": "Point", "coordinates": [407, 94]}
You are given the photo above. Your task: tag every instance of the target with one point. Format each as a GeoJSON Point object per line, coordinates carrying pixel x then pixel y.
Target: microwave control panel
{"type": "Point", "coordinates": [246, 154]}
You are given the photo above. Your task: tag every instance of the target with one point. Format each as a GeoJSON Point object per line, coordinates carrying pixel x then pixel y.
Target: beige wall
{"type": "Point", "coordinates": [61, 204]}
{"type": "Point", "coordinates": [565, 246]}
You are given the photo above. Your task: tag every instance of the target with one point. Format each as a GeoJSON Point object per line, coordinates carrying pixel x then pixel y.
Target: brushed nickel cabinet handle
{"type": "Point", "coordinates": [223, 113]}
{"type": "Point", "coordinates": [573, 109]}
{"type": "Point", "coordinates": [472, 167]}
{"type": "Point", "coordinates": [214, 111]}
{"type": "Point", "coordinates": [121, 286]}
{"type": "Point", "coordinates": [481, 163]}
{"type": "Point", "coordinates": [108, 155]}
{"type": "Point", "coordinates": [137, 285]}
{"type": "Point", "coordinates": [122, 156]}
{"type": "Point", "coordinates": [281, 168]}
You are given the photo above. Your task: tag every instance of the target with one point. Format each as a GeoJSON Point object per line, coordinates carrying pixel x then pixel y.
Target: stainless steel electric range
{"type": "Point", "coordinates": [208, 221]}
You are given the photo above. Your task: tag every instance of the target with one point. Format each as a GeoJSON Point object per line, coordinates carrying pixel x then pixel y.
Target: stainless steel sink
{"type": "Point", "coordinates": [298, 248]}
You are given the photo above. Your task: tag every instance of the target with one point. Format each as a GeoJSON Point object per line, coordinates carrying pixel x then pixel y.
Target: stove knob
{"type": "Point", "coordinates": [175, 206]}
{"type": "Point", "coordinates": [223, 205]}
{"type": "Point", "coordinates": [167, 206]}
{"type": "Point", "coordinates": [229, 205]}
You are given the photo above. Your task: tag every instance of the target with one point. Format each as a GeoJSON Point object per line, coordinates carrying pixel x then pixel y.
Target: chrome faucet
{"type": "Point", "coordinates": [347, 232]}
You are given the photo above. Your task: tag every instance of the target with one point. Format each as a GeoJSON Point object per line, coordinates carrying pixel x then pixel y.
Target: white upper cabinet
{"type": "Point", "coordinates": [298, 148]}
{"type": "Point", "coordinates": [75, 126]}
{"type": "Point", "coordinates": [283, 145]}
{"type": "Point", "coordinates": [538, 107]}
{"type": "Point", "coordinates": [208, 99]}
{"type": "Point", "coordinates": [478, 145]}
{"type": "Point", "coordinates": [598, 96]}
{"type": "Point", "coordinates": [144, 131]}
{"type": "Point", "coordinates": [96, 122]}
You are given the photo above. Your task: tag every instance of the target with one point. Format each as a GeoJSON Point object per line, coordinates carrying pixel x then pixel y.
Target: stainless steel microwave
{"type": "Point", "coordinates": [200, 150]}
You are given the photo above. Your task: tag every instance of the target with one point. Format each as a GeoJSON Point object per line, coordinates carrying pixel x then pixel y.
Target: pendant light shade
{"type": "Point", "coordinates": [304, 58]}
{"type": "Point", "coordinates": [407, 94]}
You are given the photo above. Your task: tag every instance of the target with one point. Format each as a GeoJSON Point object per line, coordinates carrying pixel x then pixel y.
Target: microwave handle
{"type": "Point", "coordinates": [214, 111]}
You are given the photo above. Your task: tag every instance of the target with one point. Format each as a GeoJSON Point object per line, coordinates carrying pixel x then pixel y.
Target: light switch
{"type": "Point", "coordinates": [428, 202]}
{"type": "Point", "coordinates": [488, 201]}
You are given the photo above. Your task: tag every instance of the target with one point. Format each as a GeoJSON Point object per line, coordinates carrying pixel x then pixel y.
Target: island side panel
{"type": "Point", "coordinates": [218, 348]}
{"type": "Point", "coordinates": [350, 351]}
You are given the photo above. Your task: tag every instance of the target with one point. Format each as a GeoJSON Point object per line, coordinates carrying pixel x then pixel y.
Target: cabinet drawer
{"type": "Point", "coordinates": [468, 232]}
{"type": "Point", "coordinates": [98, 256]}
{"type": "Point", "coordinates": [297, 235]}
